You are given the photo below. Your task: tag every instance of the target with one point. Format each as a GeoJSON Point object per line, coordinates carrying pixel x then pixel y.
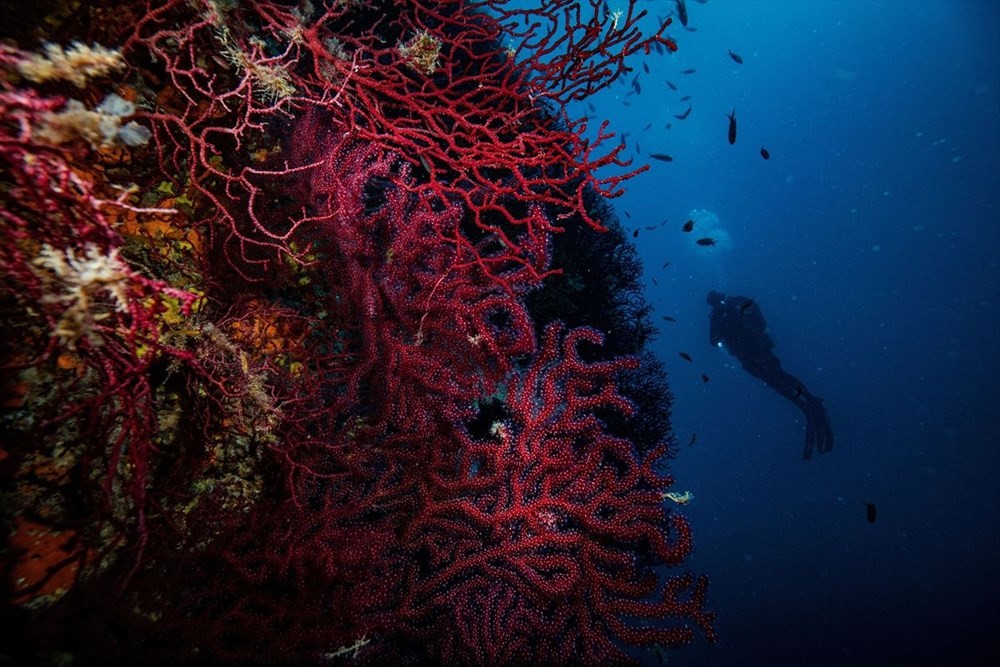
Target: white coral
{"type": "Point", "coordinates": [100, 127]}
{"type": "Point", "coordinates": [77, 64]}
{"type": "Point", "coordinates": [77, 283]}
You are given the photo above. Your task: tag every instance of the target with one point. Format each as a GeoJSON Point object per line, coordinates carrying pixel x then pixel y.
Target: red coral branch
{"type": "Point", "coordinates": [545, 518]}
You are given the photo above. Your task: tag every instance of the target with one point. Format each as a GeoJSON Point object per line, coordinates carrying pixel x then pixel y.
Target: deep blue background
{"type": "Point", "coordinates": [870, 239]}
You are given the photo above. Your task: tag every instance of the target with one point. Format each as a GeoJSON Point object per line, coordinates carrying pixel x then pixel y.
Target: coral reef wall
{"type": "Point", "coordinates": [294, 365]}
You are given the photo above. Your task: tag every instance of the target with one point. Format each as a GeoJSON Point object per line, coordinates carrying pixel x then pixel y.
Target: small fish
{"type": "Point", "coordinates": [668, 126]}
{"type": "Point", "coordinates": [645, 67]}
{"type": "Point", "coordinates": [870, 511]}
{"type": "Point", "coordinates": [654, 281]}
{"type": "Point", "coordinates": [671, 86]}
{"type": "Point", "coordinates": [666, 264]}
{"type": "Point", "coordinates": [746, 305]}
{"type": "Point", "coordinates": [635, 234]}
{"type": "Point", "coordinates": [635, 85]}
{"type": "Point", "coordinates": [732, 127]}
{"type": "Point", "coordinates": [628, 215]}
{"type": "Point", "coordinates": [682, 12]}
{"type": "Point", "coordinates": [798, 391]}
{"type": "Point", "coordinates": [667, 318]}
{"type": "Point", "coordinates": [688, 71]}
{"type": "Point", "coordinates": [648, 125]}
{"type": "Point", "coordinates": [694, 438]}
{"type": "Point", "coordinates": [736, 58]}
{"type": "Point", "coordinates": [425, 164]}
{"type": "Point", "coordinates": [764, 153]}
{"type": "Point", "coordinates": [704, 378]}
{"type": "Point", "coordinates": [683, 115]}
{"type": "Point", "coordinates": [626, 104]}
{"type": "Point", "coordinates": [685, 98]}
{"type": "Point", "coordinates": [685, 356]}
{"type": "Point", "coordinates": [590, 107]}
{"type": "Point", "coordinates": [705, 241]}
{"type": "Point", "coordinates": [662, 157]}
{"type": "Point", "coordinates": [688, 226]}
{"type": "Point", "coordinates": [650, 228]}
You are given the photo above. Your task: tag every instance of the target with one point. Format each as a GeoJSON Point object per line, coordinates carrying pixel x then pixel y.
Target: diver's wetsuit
{"type": "Point", "coordinates": [738, 324]}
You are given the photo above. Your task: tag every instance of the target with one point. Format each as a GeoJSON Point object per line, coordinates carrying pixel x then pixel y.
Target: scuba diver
{"type": "Point", "coordinates": [738, 324]}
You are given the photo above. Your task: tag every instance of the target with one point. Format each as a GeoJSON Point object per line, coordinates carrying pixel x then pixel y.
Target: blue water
{"type": "Point", "coordinates": [870, 239]}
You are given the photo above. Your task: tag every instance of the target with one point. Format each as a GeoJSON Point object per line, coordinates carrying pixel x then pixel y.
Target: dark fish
{"type": "Point", "coordinates": [685, 356]}
{"type": "Point", "coordinates": [658, 47]}
{"type": "Point", "coordinates": [637, 147]}
{"type": "Point", "coordinates": [705, 241]}
{"type": "Point", "coordinates": [635, 234]}
{"type": "Point", "coordinates": [664, 222]}
{"type": "Point", "coordinates": [671, 86]}
{"type": "Point", "coordinates": [627, 104]}
{"type": "Point", "coordinates": [635, 85]}
{"type": "Point", "coordinates": [654, 281]}
{"type": "Point", "coordinates": [650, 228]}
{"type": "Point", "coordinates": [690, 28]}
{"type": "Point", "coordinates": [694, 438]}
{"type": "Point", "coordinates": [668, 126]}
{"type": "Point", "coordinates": [736, 58]}
{"type": "Point", "coordinates": [732, 127]}
{"type": "Point", "coordinates": [648, 125]}
{"type": "Point", "coordinates": [688, 71]}
{"type": "Point", "coordinates": [668, 318]}
{"type": "Point", "coordinates": [662, 157]}
{"type": "Point", "coordinates": [682, 12]}
{"type": "Point", "coordinates": [746, 305]}
{"type": "Point", "coordinates": [645, 67]}
{"type": "Point", "coordinates": [764, 154]}
{"type": "Point", "coordinates": [683, 115]}
{"type": "Point", "coordinates": [590, 107]}
{"type": "Point", "coordinates": [704, 378]}
{"type": "Point", "coordinates": [870, 511]}
{"type": "Point", "coordinates": [798, 391]}
{"type": "Point", "coordinates": [666, 264]}
{"type": "Point", "coordinates": [685, 98]}
{"type": "Point", "coordinates": [688, 226]}
{"type": "Point", "coordinates": [628, 215]}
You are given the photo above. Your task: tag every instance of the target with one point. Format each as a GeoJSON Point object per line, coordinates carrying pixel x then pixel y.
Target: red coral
{"type": "Point", "coordinates": [368, 193]}
{"type": "Point", "coordinates": [555, 525]}
{"type": "Point", "coordinates": [70, 301]}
